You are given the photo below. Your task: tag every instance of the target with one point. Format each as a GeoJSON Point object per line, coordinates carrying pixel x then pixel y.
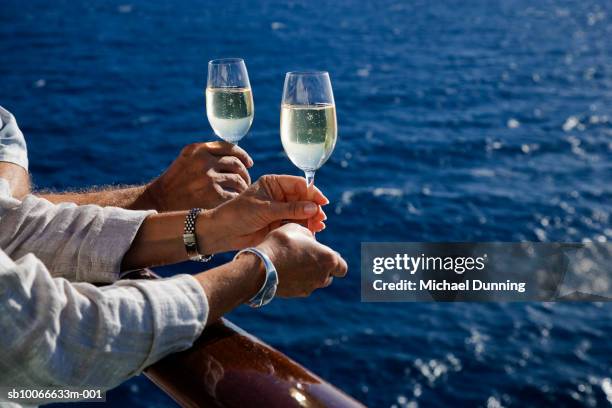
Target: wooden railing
{"type": "Point", "coordinates": [228, 367]}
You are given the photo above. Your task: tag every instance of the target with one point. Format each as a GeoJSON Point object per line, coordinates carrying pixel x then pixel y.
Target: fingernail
{"type": "Point", "coordinates": [310, 208]}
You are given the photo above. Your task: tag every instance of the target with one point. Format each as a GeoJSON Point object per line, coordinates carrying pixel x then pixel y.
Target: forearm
{"type": "Point", "coordinates": [226, 286]}
{"type": "Point", "coordinates": [230, 285]}
{"type": "Point", "coordinates": [132, 198]}
{"type": "Point", "coordinates": [159, 241]}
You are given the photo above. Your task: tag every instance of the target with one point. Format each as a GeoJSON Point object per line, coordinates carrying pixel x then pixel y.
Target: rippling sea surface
{"type": "Point", "coordinates": [459, 121]}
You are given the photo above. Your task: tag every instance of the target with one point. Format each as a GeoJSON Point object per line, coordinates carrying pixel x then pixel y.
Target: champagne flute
{"type": "Point", "coordinates": [308, 125]}
{"type": "Point", "coordinates": [229, 99]}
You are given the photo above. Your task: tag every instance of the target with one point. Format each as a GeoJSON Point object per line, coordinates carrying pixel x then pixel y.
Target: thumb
{"type": "Point", "coordinates": [296, 210]}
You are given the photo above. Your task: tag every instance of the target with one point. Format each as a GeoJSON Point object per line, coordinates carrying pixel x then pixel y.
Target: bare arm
{"type": "Point", "coordinates": [159, 241]}
{"type": "Point", "coordinates": [230, 285]}
{"type": "Point", "coordinates": [131, 198]}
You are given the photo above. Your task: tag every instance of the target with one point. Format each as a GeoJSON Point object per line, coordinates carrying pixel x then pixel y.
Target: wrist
{"type": "Point", "coordinates": [149, 198]}
{"type": "Point", "coordinates": [269, 287]}
{"type": "Point", "coordinates": [254, 273]}
{"type": "Point", "coordinates": [209, 239]}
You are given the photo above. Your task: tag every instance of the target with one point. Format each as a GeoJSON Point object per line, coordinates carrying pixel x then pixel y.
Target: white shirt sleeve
{"type": "Point", "coordinates": [13, 147]}
{"type": "Point", "coordinates": [62, 334]}
{"type": "Point", "coordinates": [80, 243]}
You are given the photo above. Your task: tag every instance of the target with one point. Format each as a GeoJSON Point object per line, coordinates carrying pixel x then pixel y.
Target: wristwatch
{"type": "Point", "coordinates": [268, 289]}
{"type": "Point", "coordinates": [189, 237]}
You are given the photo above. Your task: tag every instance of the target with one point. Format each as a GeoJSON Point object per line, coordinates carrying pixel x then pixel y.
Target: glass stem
{"type": "Point", "coordinates": [309, 177]}
{"type": "Point", "coordinates": [310, 183]}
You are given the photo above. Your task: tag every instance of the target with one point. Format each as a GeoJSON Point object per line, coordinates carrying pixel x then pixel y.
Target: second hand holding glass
{"type": "Point", "coordinates": [229, 99]}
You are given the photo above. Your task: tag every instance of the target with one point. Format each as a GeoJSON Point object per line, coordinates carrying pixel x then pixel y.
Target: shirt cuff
{"type": "Point", "coordinates": [113, 239]}
{"type": "Point", "coordinates": [179, 310]}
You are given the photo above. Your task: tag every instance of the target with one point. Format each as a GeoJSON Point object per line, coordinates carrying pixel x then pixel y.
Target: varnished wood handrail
{"type": "Point", "coordinates": [227, 367]}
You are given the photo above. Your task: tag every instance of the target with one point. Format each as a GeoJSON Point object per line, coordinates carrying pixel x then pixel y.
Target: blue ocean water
{"type": "Point", "coordinates": [459, 121]}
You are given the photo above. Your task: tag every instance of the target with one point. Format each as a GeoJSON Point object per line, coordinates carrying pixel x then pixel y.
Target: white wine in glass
{"type": "Point", "coordinates": [308, 121]}
{"type": "Point", "coordinates": [229, 99]}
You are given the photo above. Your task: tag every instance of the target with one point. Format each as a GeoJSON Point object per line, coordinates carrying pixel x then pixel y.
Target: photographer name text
{"type": "Point", "coordinates": [437, 264]}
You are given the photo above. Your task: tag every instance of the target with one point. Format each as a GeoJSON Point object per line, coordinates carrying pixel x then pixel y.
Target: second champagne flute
{"type": "Point", "coordinates": [308, 120]}
{"type": "Point", "coordinates": [229, 99]}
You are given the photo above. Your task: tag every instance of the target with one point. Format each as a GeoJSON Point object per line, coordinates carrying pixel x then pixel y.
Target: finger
{"type": "Point", "coordinates": [315, 226]}
{"type": "Point", "coordinates": [295, 188]}
{"type": "Point", "coordinates": [341, 269]}
{"type": "Point", "coordinates": [228, 149]}
{"type": "Point", "coordinates": [318, 227]}
{"type": "Point", "coordinates": [231, 182]}
{"type": "Point", "coordinates": [223, 194]}
{"type": "Point", "coordinates": [231, 164]}
{"type": "Point", "coordinates": [294, 210]}
{"type": "Point", "coordinates": [320, 216]}
{"type": "Point", "coordinates": [227, 195]}
{"type": "Point", "coordinates": [328, 281]}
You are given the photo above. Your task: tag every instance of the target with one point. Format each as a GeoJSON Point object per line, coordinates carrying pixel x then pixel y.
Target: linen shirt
{"type": "Point", "coordinates": [57, 329]}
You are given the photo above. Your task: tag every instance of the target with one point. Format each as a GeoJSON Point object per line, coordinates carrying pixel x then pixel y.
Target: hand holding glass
{"type": "Point", "coordinates": [308, 120]}
{"type": "Point", "coordinates": [229, 99]}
